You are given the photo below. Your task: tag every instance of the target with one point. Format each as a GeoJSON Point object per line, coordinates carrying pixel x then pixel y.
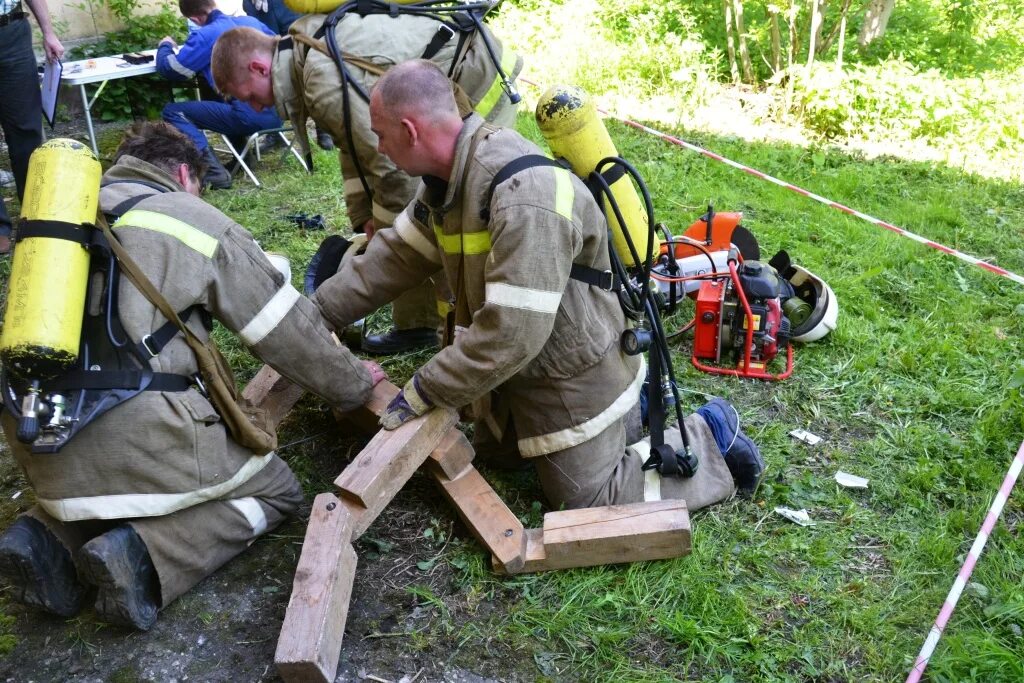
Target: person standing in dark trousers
{"type": "Point", "coordinates": [276, 16]}
{"type": "Point", "coordinates": [21, 103]}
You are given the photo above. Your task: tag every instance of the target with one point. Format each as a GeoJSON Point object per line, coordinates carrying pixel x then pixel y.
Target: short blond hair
{"type": "Point", "coordinates": [230, 57]}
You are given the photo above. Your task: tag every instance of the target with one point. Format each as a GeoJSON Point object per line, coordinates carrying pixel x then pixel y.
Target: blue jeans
{"type": "Point", "coordinates": [234, 119]}
{"type": "Point", "coordinates": [20, 105]}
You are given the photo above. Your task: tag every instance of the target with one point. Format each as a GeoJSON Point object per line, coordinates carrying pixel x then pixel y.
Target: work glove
{"type": "Point", "coordinates": [410, 403]}
{"type": "Point", "coordinates": [325, 262]}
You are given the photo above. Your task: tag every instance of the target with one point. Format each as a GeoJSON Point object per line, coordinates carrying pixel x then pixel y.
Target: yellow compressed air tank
{"type": "Point", "coordinates": [46, 291]}
{"type": "Point", "coordinates": [328, 6]}
{"type": "Point", "coordinates": [569, 122]}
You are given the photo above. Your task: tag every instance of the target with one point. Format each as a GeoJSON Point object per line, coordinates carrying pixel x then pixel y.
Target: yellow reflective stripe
{"type": "Point", "coordinates": [468, 243]}
{"type": "Point", "coordinates": [564, 193]}
{"type": "Point", "coordinates": [494, 93]}
{"type": "Point", "coordinates": [193, 238]}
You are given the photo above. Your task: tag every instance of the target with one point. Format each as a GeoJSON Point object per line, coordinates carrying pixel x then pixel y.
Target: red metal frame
{"type": "Point", "coordinates": [744, 369]}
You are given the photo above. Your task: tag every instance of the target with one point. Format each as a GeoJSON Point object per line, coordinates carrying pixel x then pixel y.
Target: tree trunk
{"type": "Point", "coordinates": [838, 31]}
{"type": "Point", "coordinates": [730, 45]}
{"type": "Point", "coordinates": [773, 17]}
{"type": "Point", "coordinates": [741, 37]}
{"type": "Point", "coordinates": [876, 18]}
{"type": "Point", "coordinates": [815, 30]}
{"type": "Point", "coordinates": [794, 10]}
{"type": "Point", "coordinates": [842, 42]}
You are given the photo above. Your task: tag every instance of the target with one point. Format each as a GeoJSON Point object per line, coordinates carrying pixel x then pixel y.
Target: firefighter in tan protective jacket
{"type": "Point", "coordinates": [154, 495]}
{"type": "Point", "coordinates": [304, 81]}
{"type": "Point", "coordinates": [533, 348]}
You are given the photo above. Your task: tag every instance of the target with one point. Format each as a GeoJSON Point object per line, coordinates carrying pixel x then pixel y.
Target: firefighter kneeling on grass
{"type": "Point", "coordinates": [155, 494]}
{"type": "Point", "coordinates": [533, 350]}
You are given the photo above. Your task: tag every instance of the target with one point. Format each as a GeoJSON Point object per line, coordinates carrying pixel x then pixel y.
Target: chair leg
{"type": "Point", "coordinates": [295, 152]}
{"type": "Point", "coordinates": [240, 158]}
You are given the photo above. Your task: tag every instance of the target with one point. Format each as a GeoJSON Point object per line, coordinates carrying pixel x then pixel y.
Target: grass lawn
{"type": "Point", "coordinates": [912, 391]}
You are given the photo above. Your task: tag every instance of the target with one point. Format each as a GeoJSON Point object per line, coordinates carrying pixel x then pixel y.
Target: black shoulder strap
{"type": "Point", "coordinates": [603, 279]}
{"type": "Point", "coordinates": [61, 230]}
{"type": "Point", "coordinates": [510, 169]}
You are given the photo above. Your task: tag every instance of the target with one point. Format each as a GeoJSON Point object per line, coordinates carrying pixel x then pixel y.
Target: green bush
{"type": "Point", "coordinates": [145, 95]}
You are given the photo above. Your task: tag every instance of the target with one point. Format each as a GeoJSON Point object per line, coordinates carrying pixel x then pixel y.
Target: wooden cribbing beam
{"type": "Point", "coordinates": [607, 535]}
{"type": "Point", "coordinates": [388, 461]}
{"type": "Point", "coordinates": [314, 624]}
{"type": "Point", "coordinates": [486, 515]}
{"type": "Point", "coordinates": [272, 392]}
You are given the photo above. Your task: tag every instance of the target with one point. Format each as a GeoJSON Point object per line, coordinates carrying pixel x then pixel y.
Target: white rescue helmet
{"type": "Point", "coordinates": [825, 305]}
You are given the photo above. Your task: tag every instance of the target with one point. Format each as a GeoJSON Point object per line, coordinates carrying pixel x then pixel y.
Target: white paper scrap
{"type": "Point", "coordinates": [851, 481]}
{"type": "Point", "coordinates": [798, 516]}
{"type": "Point", "coordinates": [15, 496]}
{"type": "Point", "coordinates": [805, 436]}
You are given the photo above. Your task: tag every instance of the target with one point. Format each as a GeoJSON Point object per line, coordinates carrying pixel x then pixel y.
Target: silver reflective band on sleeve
{"type": "Point", "coordinates": [178, 68]}
{"type": "Point", "coordinates": [511, 296]}
{"type": "Point", "coordinates": [253, 513]}
{"type": "Point", "coordinates": [270, 316]}
{"type": "Point", "coordinates": [353, 187]}
{"type": "Point", "coordinates": [382, 218]}
{"type": "Point", "coordinates": [416, 239]}
{"type": "Point", "coordinates": [533, 446]}
{"type": "Point", "coordinates": [127, 505]}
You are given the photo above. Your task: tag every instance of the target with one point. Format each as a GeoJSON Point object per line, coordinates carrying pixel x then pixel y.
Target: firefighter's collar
{"type": "Point", "coordinates": [463, 145]}
{"type": "Point", "coordinates": [129, 168]}
{"type": "Point", "coordinates": [287, 101]}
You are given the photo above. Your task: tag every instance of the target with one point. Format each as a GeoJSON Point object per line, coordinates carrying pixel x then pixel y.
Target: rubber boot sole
{"type": "Point", "coordinates": [40, 572]}
{"type": "Point", "coordinates": [119, 598]}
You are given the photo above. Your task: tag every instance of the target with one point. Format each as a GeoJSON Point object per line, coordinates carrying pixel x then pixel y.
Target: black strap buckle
{"type": "Point", "coordinates": [148, 344]}
{"type": "Point", "coordinates": [606, 280]}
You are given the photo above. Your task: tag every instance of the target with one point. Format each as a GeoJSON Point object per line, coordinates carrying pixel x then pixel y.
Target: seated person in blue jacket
{"type": "Point", "coordinates": [277, 17]}
{"type": "Point", "coordinates": [234, 119]}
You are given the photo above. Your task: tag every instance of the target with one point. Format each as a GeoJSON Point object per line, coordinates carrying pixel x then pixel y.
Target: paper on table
{"type": "Point", "coordinates": [51, 87]}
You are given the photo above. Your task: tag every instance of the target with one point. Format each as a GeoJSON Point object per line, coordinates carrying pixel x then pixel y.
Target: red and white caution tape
{"type": "Point", "coordinates": [965, 571]}
{"type": "Point", "coordinates": [818, 198]}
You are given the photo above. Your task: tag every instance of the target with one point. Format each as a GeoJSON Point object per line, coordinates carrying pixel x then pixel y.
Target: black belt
{"type": "Point", "coordinates": [12, 17]}
{"type": "Point", "coordinates": [122, 379]}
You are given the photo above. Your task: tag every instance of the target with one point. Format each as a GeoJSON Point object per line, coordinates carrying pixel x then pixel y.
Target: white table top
{"type": "Point", "coordinates": [104, 69]}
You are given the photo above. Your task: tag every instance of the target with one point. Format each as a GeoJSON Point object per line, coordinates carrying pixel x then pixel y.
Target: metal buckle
{"type": "Point", "coordinates": [199, 384]}
{"type": "Point", "coordinates": [607, 281]}
{"type": "Point", "coordinates": [145, 343]}
{"type": "Point", "coordinates": [445, 27]}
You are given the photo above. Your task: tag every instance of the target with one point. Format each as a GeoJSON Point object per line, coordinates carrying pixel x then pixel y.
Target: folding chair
{"type": "Point", "coordinates": [253, 143]}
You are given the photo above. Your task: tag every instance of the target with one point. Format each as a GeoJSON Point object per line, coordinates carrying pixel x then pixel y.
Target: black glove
{"type": "Point", "coordinates": [325, 262]}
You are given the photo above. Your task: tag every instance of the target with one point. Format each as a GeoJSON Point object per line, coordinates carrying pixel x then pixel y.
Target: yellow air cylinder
{"type": "Point", "coordinates": [328, 6]}
{"type": "Point", "coordinates": [569, 122]}
{"type": "Point", "coordinates": [46, 292]}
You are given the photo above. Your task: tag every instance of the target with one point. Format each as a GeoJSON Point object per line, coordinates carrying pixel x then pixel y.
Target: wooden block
{"type": "Point", "coordinates": [607, 535]}
{"type": "Point", "coordinates": [487, 516]}
{"type": "Point", "coordinates": [454, 454]}
{"type": "Point", "coordinates": [310, 643]}
{"type": "Point", "coordinates": [272, 392]}
{"type": "Point", "coordinates": [380, 471]}
{"type": "Point", "coordinates": [366, 416]}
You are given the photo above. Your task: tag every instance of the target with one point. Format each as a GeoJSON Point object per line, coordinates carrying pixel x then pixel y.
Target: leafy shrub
{"type": "Point", "coordinates": [143, 95]}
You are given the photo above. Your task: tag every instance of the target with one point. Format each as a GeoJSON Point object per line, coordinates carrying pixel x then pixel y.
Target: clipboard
{"type": "Point", "coordinates": [51, 88]}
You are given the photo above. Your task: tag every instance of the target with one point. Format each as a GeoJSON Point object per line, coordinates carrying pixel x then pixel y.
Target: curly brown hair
{"type": "Point", "coordinates": [160, 144]}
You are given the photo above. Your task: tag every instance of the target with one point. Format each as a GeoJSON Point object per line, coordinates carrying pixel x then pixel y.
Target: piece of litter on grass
{"type": "Point", "coordinates": [806, 437]}
{"type": "Point", "coordinates": [798, 516]}
{"type": "Point", "coordinates": [851, 481]}
{"type": "Point", "coordinates": [15, 496]}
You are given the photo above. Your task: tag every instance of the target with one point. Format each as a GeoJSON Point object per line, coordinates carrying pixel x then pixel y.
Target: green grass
{"type": "Point", "coordinates": [911, 391]}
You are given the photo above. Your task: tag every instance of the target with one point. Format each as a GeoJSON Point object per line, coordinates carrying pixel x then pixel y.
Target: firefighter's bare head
{"type": "Point", "coordinates": [241, 61]}
{"type": "Point", "coordinates": [160, 144]}
{"type": "Point", "coordinates": [197, 10]}
{"type": "Point", "coordinates": [415, 117]}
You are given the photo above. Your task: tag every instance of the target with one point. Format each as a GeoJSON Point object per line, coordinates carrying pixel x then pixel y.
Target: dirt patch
{"type": "Point", "coordinates": [410, 617]}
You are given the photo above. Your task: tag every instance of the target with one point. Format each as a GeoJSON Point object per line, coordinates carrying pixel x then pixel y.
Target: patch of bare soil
{"type": "Point", "coordinates": [407, 618]}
